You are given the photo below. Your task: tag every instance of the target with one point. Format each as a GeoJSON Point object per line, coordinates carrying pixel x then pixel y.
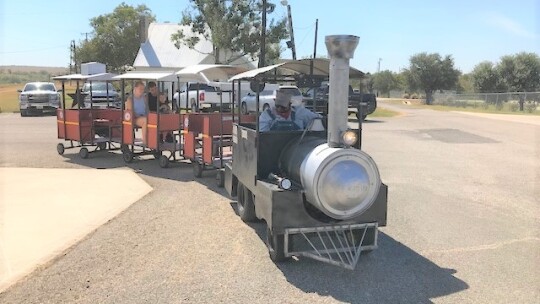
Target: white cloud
{"type": "Point", "coordinates": [508, 25]}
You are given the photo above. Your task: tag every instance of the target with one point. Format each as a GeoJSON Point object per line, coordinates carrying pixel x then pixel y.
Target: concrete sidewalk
{"type": "Point", "coordinates": [45, 211]}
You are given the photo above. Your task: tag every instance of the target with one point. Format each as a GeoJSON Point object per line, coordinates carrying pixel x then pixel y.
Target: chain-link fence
{"type": "Point", "coordinates": [512, 101]}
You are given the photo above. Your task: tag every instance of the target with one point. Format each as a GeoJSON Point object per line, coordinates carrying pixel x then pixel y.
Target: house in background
{"type": "Point", "coordinates": [158, 53]}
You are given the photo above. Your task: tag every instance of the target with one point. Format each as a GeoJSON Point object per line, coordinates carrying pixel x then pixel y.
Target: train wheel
{"type": "Point", "coordinates": [197, 169]}
{"type": "Point", "coordinates": [157, 154]}
{"type": "Point", "coordinates": [220, 178]}
{"type": "Point", "coordinates": [163, 161]}
{"type": "Point", "coordinates": [245, 205]}
{"type": "Point", "coordinates": [127, 156]}
{"type": "Point", "coordinates": [83, 153]}
{"type": "Point", "coordinates": [60, 149]}
{"type": "Point", "coordinates": [276, 245]}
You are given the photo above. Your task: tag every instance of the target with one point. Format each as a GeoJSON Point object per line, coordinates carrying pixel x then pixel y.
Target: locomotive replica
{"type": "Point", "coordinates": [320, 196]}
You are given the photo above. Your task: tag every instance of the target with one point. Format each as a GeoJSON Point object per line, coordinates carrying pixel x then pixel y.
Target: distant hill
{"type": "Point", "coordinates": [4, 69]}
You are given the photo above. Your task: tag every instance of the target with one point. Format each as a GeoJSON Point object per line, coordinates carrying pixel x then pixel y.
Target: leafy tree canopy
{"type": "Point", "coordinates": [115, 40]}
{"type": "Point", "coordinates": [485, 78]}
{"type": "Point", "coordinates": [430, 72]}
{"type": "Point", "coordinates": [385, 81]}
{"type": "Point", "coordinates": [520, 72]}
{"type": "Point", "coordinates": [231, 25]}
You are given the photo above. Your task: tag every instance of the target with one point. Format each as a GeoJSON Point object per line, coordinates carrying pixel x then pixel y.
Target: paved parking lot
{"type": "Point", "coordinates": [463, 225]}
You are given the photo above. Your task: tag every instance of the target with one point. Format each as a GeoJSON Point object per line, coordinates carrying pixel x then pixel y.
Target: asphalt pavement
{"type": "Point", "coordinates": [463, 225]}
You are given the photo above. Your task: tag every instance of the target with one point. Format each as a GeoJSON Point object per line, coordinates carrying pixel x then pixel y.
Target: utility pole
{"type": "Point", "coordinates": [314, 48]}
{"type": "Point", "coordinates": [290, 43]}
{"type": "Point", "coordinates": [263, 36]}
{"type": "Point", "coordinates": [86, 36]}
{"type": "Point", "coordinates": [72, 58]}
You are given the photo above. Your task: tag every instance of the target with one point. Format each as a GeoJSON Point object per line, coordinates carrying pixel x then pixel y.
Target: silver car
{"type": "Point", "coordinates": [38, 98]}
{"type": "Point", "coordinates": [267, 98]}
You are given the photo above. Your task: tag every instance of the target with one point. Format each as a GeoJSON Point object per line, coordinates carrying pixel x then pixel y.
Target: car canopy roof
{"type": "Point", "coordinates": [321, 68]}
{"type": "Point", "coordinates": [158, 76]}
{"type": "Point", "coordinates": [94, 77]}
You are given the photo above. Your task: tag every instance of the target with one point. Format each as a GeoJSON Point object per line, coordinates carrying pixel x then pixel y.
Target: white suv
{"type": "Point", "coordinates": [38, 98]}
{"type": "Point", "coordinates": [267, 98]}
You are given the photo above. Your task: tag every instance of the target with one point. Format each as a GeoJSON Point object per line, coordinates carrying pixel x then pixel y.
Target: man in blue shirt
{"type": "Point", "coordinates": [284, 116]}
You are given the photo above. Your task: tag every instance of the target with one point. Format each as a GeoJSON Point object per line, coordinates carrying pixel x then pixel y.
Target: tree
{"type": "Point", "coordinates": [115, 40]}
{"type": "Point", "coordinates": [465, 84]}
{"type": "Point", "coordinates": [231, 25]}
{"type": "Point", "coordinates": [520, 72]}
{"type": "Point", "coordinates": [430, 72]}
{"type": "Point", "coordinates": [486, 78]}
{"type": "Point", "coordinates": [385, 82]}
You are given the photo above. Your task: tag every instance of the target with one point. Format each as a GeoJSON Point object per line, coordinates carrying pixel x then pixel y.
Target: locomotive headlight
{"type": "Point", "coordinates": [349, 137]}
{"type": "Point", "coordinates": [342, 183]}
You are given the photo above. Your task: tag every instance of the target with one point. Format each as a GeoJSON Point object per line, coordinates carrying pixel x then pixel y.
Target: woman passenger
{"type": "Point", "coordinates": [138, 105]}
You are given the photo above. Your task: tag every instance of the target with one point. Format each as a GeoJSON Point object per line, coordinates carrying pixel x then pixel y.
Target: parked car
{"type": "Point", "coordinates": [101, 93]}
{"type": "Point", "coordinates": [38, 98]}
{"type": "Point", "coordinates": [267, 98]}
{"type": "Point", "coordinates": [209, 96]}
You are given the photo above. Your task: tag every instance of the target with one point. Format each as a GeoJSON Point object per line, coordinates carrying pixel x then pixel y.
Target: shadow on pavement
{"type": "Point", "coordinates": [393, 273]}
{"type": "Point", "coordinates": [180, 170]}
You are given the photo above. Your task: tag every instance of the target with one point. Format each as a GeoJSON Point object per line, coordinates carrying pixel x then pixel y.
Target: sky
{"type": "Point", "coordinates": [38, 33]}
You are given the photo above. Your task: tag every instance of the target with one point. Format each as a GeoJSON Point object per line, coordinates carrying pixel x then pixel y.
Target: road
{"type": "Point", "coordinates": [463, 225]}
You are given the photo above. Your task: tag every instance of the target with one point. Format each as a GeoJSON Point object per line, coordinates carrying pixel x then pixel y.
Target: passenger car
{"type": "Point", "coordinates": [267, 98]}
{"type": "Point", "coordinates": [38, 98]}
{"type": "Point", "coordinates": [101, 93]}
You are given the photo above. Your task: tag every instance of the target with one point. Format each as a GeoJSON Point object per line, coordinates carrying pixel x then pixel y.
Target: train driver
{"type": "Point", "coordinates": [286, 117]}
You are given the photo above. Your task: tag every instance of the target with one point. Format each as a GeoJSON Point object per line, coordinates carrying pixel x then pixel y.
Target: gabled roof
{"type": "Point", "coordinates": [159, 50]}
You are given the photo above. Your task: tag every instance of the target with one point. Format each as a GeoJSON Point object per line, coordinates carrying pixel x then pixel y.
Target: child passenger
{"type": "Point", "coordinates": [165, 108]}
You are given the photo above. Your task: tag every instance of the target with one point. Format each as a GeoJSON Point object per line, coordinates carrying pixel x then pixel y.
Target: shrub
{"type": "Point", "coordinates": [530, 106]}
{"type": "Point", "coordinates": [513, 106]}
{"type": "Point", "coordinates": [406, 96]}
{"type": "Point", "coordinates": [499, 106]}
{"type": "Point", "coordinates": [414, 96]}
{"type": "Point", "coordinates": [485, 105]}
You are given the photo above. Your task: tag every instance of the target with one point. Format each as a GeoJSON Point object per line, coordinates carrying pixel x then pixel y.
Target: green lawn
{"type": "Point", "coordinates": [479, 108]}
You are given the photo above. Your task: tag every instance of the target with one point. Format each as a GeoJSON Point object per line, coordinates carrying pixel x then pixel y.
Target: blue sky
{"type": "Point", "coordinates": [39, 32]}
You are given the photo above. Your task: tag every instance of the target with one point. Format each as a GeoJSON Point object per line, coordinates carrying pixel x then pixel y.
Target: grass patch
{"type": "Point", "coordinates": [481, 107]}
{"type": "Point", "coordinates": [382, 112]}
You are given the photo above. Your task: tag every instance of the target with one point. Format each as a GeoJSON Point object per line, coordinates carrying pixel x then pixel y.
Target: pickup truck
{"type": "Point", "coordinates": [103, 94]}
{"type": "Point", "coordinates": [204, 97]}
{"type": "Point", "coordinates": [366, 102]}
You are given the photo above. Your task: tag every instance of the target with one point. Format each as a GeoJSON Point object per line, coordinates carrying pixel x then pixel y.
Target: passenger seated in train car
{"type": "Point", "coordinates": [286, 117]}
{"type": "Point", "coordinates": [138, 105]}
{"type": "Point", "coordinates": [165, 108]}
{"type": "Point", "coordinates": [152, 96]}
{"type": "Point", "coordinates": [164, 105]}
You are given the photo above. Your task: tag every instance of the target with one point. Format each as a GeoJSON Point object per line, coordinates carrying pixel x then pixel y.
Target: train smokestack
{"type": "Point", "coordinates": [340, 50]}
